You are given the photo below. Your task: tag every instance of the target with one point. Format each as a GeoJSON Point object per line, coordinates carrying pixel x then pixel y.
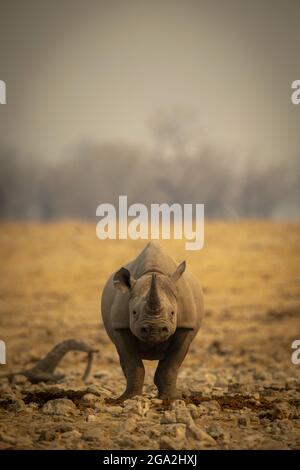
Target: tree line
{"type": "Point", "coordinates": [73, 187]}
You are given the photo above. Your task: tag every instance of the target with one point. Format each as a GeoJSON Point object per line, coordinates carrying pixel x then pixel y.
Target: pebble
{"type": "Point", "coordinates": [196, 433]}
{"type": "Point", "coordinates": [178, 405]}
{"type": "Point", "coordinates": [283, 410]}
{"type": "Point", "coordinates": [7, 439]}
{"type": "Point", "coordinates": [129, 425]}
{"type": "Point", "coordinates": [64, 428]}
{"type": "Point", "coordinates": [47, 435]}
{"type": "Point", "coordinates": [156, 401]}
{"type": "Point", "coordinates": [173, 437]}
{"type": "Point", "coordinates": [114, 410]}
{"type": "Point", "coordinates": [167, 443]}
{"type": "Point", "coordinates": [74, 434]}
{"type": "Point", "coordinates": [91, 418]}
{"type": "Point", "coordinates": [89, 399]}
{"type": "Point", "coordinates": [17, 405]}
{"type": "Point", "coordinates": [244, 421]}
{"type": "Point", "coordinates": [59, 406]}
{"type": "Point", "coordinates": [139, 406]}
{"type": "Point", "coordinates": [211, 406]}
{"type": "Point", "coordinates": [93, 434]}
{"type": "Point", "coordinates": [215, 431]}
{"type": "Point", "coordinates": [168, 417]}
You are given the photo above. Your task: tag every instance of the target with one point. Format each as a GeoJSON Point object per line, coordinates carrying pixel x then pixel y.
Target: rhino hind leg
{"type": "Point", "coordinates": [131, 363]}
{"type": "Point", "coordinates": [165, 377]}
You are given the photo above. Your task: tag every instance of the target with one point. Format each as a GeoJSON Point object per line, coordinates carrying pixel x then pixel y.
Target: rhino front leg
{"type": "Point", "coordinates": [166, 373]}
{"type": "Point", "coordinates": [131, 364]}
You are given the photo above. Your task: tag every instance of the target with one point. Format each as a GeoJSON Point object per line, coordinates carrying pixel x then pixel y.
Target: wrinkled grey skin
{"type": "Point", "coordinates": [152, 309]}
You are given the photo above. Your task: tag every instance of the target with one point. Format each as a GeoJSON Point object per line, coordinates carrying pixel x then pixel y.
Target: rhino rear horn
{"type": "Point", "coordinates": [153, 298]}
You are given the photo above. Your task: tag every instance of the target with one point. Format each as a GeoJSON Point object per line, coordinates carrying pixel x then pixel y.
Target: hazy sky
{"type": "Point", "coordinates": [99, 70]}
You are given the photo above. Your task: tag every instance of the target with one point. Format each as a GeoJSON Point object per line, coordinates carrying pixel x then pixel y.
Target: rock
{"type": "Point", "coordinates": [17, 405]}
{"type": "Point", "coordinates": [101, 407]}
{"type": "Point", "coordinates": [59, 406]}
{"type": "Point", "coordinates": [253, 441]}
{"type": "Point", "coordinates": [183, 416]}
{"type": "Point", "coordinates": [126, 441]}
{"type": "Point", "coordinates": [210, 379]}
{"type": "Point", "coordinates": [93, 434]}
{"type": "Point", "coordinates": [218, 391]}
{"type": "Point", "coordinates": [128, 428]}
{"type": "Point", "coordinates": [211, 406]}
{"type": "Point", "coordinates": [89, 400]}
{"type": "Point", "coordinates": [139, 406]}
{"type": "Point", "coordinates": [33, 406]}
{"type": "Point", "coordinates": [168, 417]}
{"type": "Point", "coordinates": [278, 386]}
{"type": "Point", "coordinates": [24, 442]}
{"type": "Point", "coordinates": [129, 425]}
{"type": "Point", "coordinates": [202, 410]}
{"type": "Point", "coordinates": [167, 443]}
{"type": "Point", "coordinates": [98, 391]}
{"type": "Point", "coordinates": [154, 432]}
{"type": "Point", "coordinates": [283, 410]}
{"type": "Point", "coordinates": [173, 437]}
{"type": "Point", "coordinates": [194, 410]}
{"type": "Point", "coordinates": [7, 439]}
{"type": "Point", "coordinates": [215, 431]}
{"type": "Point", "coordinates": [292, 383]}
{"type": "Point", "coordinates": [285, 426]}
{"type": "Point", "coordinates": [255, 420]}
{"type": "Point", "coordinates": [178, 405]}
{"type": "Point", "coordinates": [244, 421]}
{"type": "Point", "coordinates": [177, 430]}
{"type": "Point", "coordinates": [91, 418]}
{"type": "Point", "coordinates": [115, 410]}
{"type": "Point", "coordinates": [262, 376]}
{"type": "Point", "coordinates": [156, 401]}
{"type": "Point", "coordinates": [196, 433]}
{"type": "Point", "coordinates": [71, 434]}
{"type": "Point", "coordinates": [47, 435]}
{"type": "Point", "coordinates": [64, 428]}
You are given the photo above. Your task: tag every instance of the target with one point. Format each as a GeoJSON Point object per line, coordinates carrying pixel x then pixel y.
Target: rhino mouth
{"type": "Point", "coordinates": [157, 334]}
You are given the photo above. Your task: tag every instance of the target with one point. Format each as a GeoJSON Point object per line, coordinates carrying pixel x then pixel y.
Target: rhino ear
{"type": "Point", "coordinates": [123, 280]}
{"type": "Point", "coordinates": [179, 271]}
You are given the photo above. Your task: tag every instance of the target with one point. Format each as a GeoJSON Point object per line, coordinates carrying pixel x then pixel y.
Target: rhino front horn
{"type": "Point", "coordinates": [153, 299]}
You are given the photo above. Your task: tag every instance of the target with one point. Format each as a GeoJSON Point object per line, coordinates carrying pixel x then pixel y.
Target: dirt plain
{"type": "Point", "coordinates": [240, 388]}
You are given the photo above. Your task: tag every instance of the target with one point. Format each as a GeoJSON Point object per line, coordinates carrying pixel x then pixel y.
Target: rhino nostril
{"type": "Point", "coordinates": [144, 331]}
{"type": "Point", "coordinates": [165, 330]}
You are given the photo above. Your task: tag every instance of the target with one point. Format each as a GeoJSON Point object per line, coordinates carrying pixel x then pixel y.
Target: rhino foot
{"type": "Point", "coordinates": [121, 398]}
{"type": "Point", "coordinates": [169, 397]}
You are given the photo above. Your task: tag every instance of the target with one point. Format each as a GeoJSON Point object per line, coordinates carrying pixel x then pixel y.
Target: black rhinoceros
{"type": "Point", "coordinates": [152, 309]}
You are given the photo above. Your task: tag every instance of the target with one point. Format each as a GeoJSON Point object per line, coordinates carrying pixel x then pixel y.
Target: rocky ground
{"type": "Point", "coordinates": [260, 411]}
{"type": "Point", "coordinates": [240, 388]}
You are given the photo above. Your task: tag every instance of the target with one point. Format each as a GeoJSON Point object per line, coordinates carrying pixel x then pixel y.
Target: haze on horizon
{"type": "Point", "coordinates": [99, 71]}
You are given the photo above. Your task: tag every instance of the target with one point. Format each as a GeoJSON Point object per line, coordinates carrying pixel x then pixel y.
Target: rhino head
{"type": "Point", "coordinates": [152, 303]}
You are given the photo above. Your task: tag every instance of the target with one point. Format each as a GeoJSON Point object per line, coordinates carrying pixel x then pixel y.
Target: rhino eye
{"type": "Point", "coordinates": [172, 313]}
{"type": "Point", "coordinates": [133, 312]}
